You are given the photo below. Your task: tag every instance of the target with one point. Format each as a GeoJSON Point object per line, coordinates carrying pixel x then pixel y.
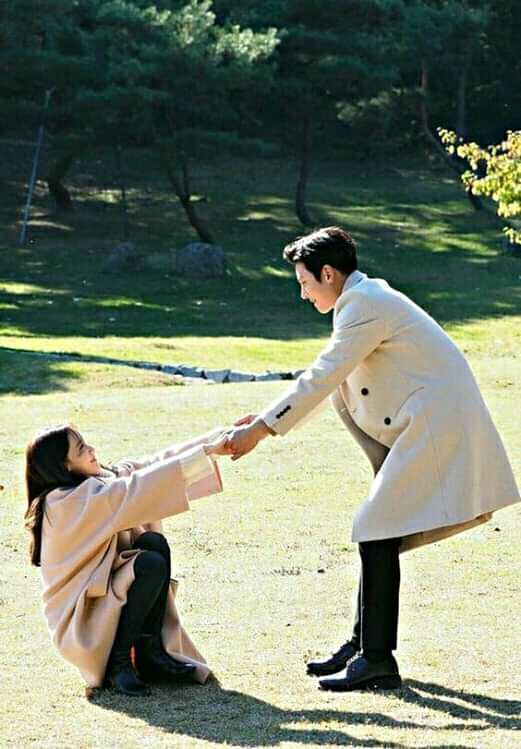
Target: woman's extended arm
{"type": "Point", "coordinates": [99, 508]}
{"type": "Point", "coordinates": [126, 466]}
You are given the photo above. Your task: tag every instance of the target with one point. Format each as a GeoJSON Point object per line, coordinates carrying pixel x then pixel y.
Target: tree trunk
{"type": "Point", "coordinates": [181, 185]}
{"type": "Point", "coordinates": [302, 184]}
{"type": "Point", "coordinates": [461, 112]}
{"type": "Point", "coordinates": [62, 199]}
{"type": "Point", "coordinates": [431, 138]}
{"type": "Point", "coordinates": [118, 156]}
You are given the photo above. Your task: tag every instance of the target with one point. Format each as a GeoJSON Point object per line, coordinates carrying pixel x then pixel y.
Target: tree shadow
{"type": "Point", "coordinates": [230, 717]}
{"type": "Point", "coordinates": [493, 711]}
{"type": "Point", "coordinates": [412, 229]}
{"type": "Point", "coordinates": [27, 374]}
{"type": "Point", "coordinates": [258, 297]}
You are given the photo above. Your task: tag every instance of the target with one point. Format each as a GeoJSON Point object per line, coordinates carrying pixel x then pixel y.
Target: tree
{"type": "Point", "coordinates": [200, 71]}
{"type": "Point", "coordinates": [442, 38]}
{"type": "Point", "coordinates": [165, 78]}
{"type": "Point", "coordinates": [329, 53]}
{"type": "Point", "coordinates": [38, 54]}
{"type": "Point", "coordinates": [500, 170]}
{"type": "Point", "coordinates": [494, 99]}
{"type": "Point", "coordinates": [132, 72]}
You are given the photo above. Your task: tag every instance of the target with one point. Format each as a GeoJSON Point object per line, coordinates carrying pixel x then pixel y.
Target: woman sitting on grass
{"type": "Point", "coordinates": [108, 597]}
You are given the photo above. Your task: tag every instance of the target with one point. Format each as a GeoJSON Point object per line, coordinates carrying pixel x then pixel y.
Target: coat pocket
{"type": "Point", "coordinates": [407, 399]}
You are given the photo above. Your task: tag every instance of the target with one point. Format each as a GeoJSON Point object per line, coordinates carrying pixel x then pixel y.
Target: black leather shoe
{"type": "Point", "coordinates": [154, 664]}
{"type": "Point", "coordinates": [336, 663]}
{"type": "Point", "coordinates": [362, 674]}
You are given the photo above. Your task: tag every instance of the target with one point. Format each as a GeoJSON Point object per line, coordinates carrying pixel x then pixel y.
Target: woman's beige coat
{"type": "Point", "coordinates": [86, 562]}
{"type": "Point", "coordinates": [407, 394]}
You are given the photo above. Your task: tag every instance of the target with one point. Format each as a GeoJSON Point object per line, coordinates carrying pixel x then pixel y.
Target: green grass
{"type": "Point", "coordinates": [267, 580]}
{"type": "Point", "coordinates": [413, 225]}
{"type": "Point", "coordinates": [267, 570]}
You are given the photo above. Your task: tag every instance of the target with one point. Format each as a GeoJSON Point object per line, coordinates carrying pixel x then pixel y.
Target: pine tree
{"type": "Point", "coordinates": [330, 53]}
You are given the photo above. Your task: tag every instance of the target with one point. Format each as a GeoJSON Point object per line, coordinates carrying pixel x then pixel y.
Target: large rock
{"type": "Point", "coordinates": [163, 262]}
{"type": "Point", "coordinates": [200, 260]}
{"type": "Point", "coordinates": [124, 256]}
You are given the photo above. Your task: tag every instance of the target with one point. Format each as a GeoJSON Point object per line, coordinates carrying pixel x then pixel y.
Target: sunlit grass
{"type": "Point", "coordinates": [268, 576]}
{"type": "Point", "coordinates": [267, 569]}
{"type": "Point", "coordinates": [414, 227]}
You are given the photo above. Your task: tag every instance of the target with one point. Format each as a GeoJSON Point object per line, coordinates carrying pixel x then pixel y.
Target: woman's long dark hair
{"type": "Point", "coordinates": [45, 470]}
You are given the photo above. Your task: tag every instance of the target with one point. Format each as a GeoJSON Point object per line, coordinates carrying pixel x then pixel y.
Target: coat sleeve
{"type": "Point", "coordinates": [358, 330]}
{"type": "Point", "coordinates": [148, 494]}
{"type": "Point", "coordinates": [127, 465]}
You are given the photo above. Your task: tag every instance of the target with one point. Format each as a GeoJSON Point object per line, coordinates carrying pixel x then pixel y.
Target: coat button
{"type": "Point", "coordinates": [387, 420]}
{"type": "Point", "coordinates": [364, 391]}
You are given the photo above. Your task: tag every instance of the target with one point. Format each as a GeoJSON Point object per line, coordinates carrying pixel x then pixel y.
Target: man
{"type": "Point", "coordinates": [409, 398]}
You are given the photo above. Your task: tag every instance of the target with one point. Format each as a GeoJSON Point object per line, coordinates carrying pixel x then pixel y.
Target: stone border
{"type": "Point", "coordinates": [187, 373]}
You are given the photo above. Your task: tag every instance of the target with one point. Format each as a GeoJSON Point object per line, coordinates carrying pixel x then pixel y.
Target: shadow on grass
{"type": "Point", "coordinates": [26, 374]}
{"type": "Point", "coordinates": [413, 227]}
{"type": "Point", "coordinates": [493, 712]}
{"type": "Point", "coordinates": [229, 717]}
{"type": "Point", "coordinates": [420, 235]}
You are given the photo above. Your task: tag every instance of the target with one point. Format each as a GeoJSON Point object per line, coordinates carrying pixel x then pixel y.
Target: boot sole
{"type": "Point", "coordinates": [329, 672]}
{"type": "Point", "coordinates": [383, 682]}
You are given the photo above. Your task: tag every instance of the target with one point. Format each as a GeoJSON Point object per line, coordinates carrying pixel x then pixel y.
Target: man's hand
{"type": "Point", "coordinates": [243, 440]}
{"type": "Point", "coordinates": [245, 420]}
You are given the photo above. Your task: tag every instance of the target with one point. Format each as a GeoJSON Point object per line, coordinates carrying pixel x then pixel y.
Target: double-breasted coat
{"type": "Point", "coordinates": [407, 394]}
{"type": "Point", "coordinates": [87, 564]}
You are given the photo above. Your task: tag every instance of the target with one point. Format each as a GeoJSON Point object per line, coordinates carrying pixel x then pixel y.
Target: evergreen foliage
{"type": "Point", "coordinates": [187, 78]}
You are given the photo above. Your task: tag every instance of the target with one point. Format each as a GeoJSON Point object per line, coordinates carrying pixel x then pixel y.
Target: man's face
{"type": "Point", "coordinates": [320, 293]}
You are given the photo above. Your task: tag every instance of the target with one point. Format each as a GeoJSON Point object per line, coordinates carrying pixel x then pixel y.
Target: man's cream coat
{"type": "Point", "coordinates": [87, 565]}
{"type": "Point", "coordinates": [407, 394]}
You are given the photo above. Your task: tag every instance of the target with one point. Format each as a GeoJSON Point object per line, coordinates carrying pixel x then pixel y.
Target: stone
{"type": "Point", "coordinates": [200, 260]}
{"type": "Point", "coordinates": [241, 377]}
{"type": "Point", "coordinates": [217, 375]}
{"type": "Point", "coordinates": [268, 377]}
{"type": "Point", "coordinates": [190, 371]}
{"type": "Point", "coordinates": [286, 376]}
{"type": "Point", "coordinates": [160, 261]}
{"type": "Point", "coordinates": [124, 256]}
{"type": "Point", "coordinates": [197, 381]}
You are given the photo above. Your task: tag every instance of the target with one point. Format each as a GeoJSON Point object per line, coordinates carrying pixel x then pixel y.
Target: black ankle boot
{"type": "Point", "coordinates": [154, 664]}
{"type": "Point", "coordinates": [121, 676]}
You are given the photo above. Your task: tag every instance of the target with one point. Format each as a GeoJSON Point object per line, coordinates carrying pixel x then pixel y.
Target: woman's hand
{"type": "Point", "coordinates": [218, 446]}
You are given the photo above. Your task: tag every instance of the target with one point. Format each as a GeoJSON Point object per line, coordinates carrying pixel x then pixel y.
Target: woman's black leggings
{"type": "Point", "coordinates": [144, 610]}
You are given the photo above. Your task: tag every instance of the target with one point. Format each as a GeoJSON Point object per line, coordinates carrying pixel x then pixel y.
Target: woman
{"type": "Point", "coordinates": [96, 534]}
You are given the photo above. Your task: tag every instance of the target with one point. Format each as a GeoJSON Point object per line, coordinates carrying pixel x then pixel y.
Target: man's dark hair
{"type": "Point", "coordinates": [328, 246]}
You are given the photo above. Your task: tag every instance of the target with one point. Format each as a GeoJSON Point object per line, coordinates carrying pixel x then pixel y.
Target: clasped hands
{"type": "Point", "coordinates": [240, 439]}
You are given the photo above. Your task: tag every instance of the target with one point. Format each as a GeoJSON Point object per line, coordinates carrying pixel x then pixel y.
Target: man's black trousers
{"type": "Point", "coordinates": [376, 619]}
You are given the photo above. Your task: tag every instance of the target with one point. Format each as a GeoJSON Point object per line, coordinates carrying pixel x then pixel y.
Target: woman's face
{"type": "Point", "coordinates": [81, 458]}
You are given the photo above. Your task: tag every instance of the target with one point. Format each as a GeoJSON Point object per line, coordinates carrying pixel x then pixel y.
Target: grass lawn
{"type": "Point", "coordinates": [267, 580]}
{"type": "Point", "coordinates": [413, 225]}
{"type": "Point", "coordinates": [267, 570]}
